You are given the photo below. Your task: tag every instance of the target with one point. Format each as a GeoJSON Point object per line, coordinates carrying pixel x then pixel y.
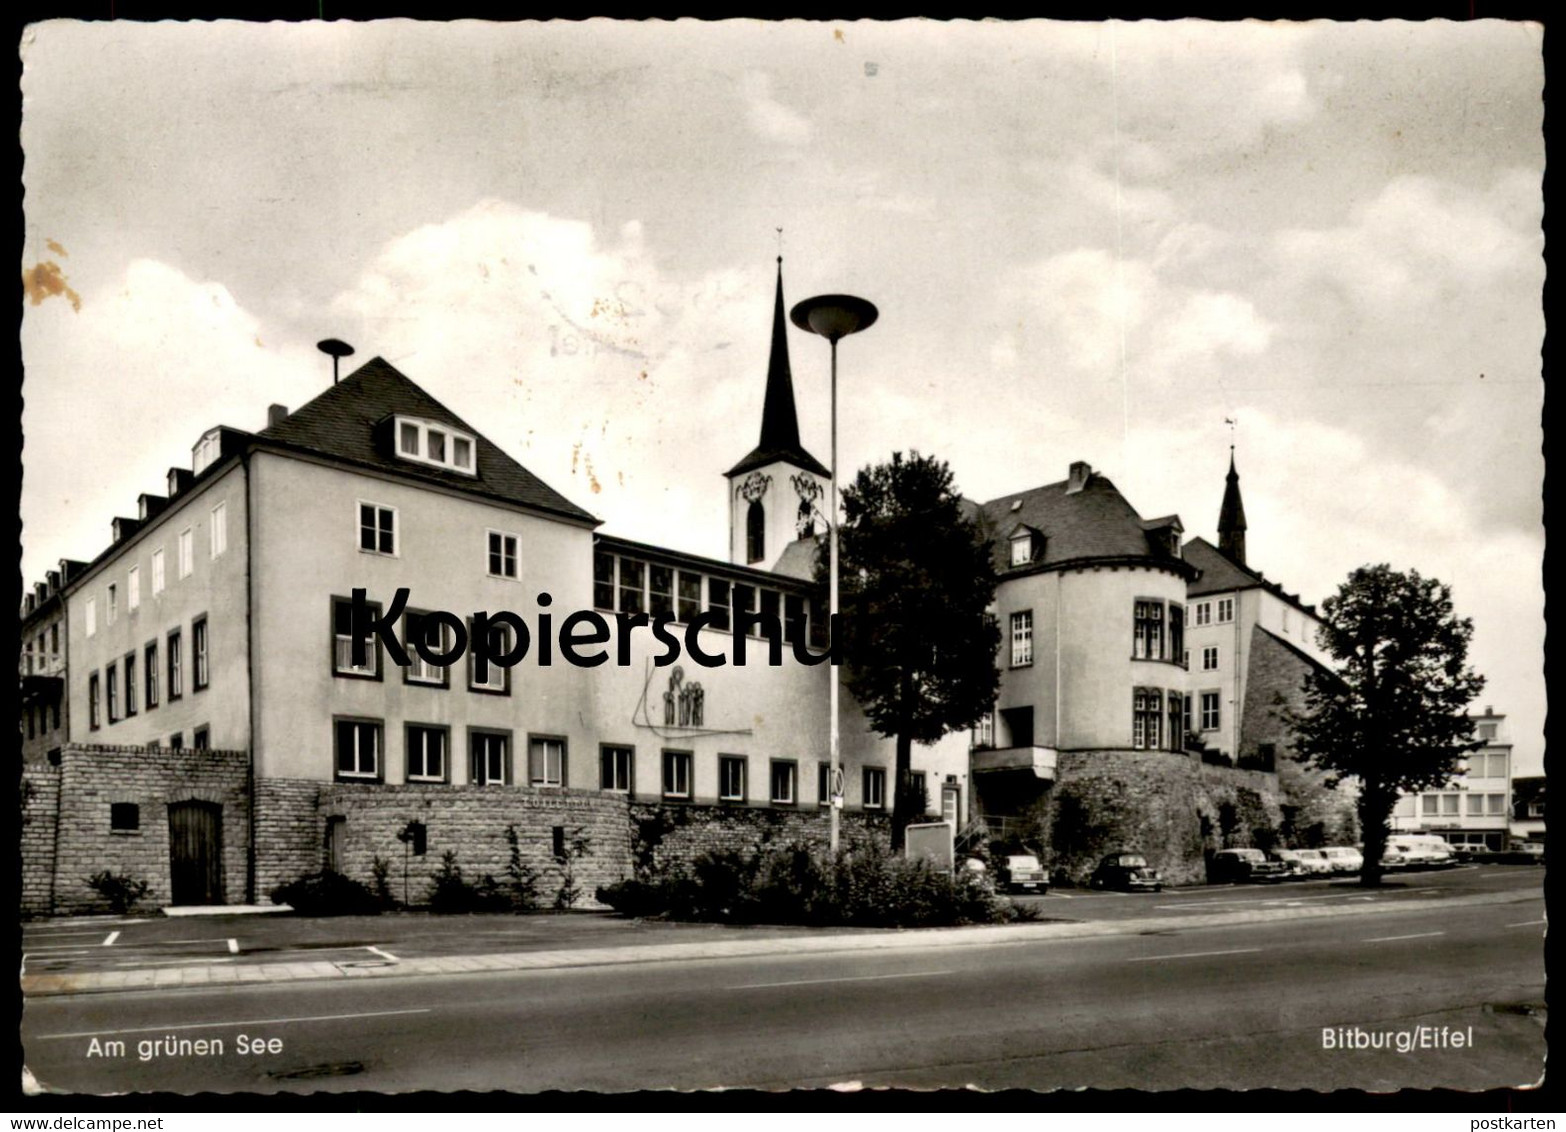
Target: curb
{"type": "Point", "coordinates": [165, 978]}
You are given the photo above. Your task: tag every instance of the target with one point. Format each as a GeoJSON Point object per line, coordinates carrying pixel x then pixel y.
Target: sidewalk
{"type": "Point", "coordinates": [817, 941]}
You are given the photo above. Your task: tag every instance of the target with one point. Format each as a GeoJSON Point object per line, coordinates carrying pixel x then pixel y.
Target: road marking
{"type": "Point", "coordinates": [245, 1022]}
{"type": "Point", "coordinates": [1192, 955]}
{"type": "Point", "coordinates": [1525, 924]}
{"type": "Point", "coordinates": [384, 954]}
{"type": "Point", "coordinates": [60, 947]}
{"type": "Point", "coordinates": [848, 979]}
{"type": "Point", "coordinates": [1391, 938]}
{"type": "Point", "coordinates": [233, 947]}
{"type": "Point", "coordinates": [109, 942]}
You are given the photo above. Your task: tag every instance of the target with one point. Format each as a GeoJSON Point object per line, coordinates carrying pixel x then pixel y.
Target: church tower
{"type": "Point", "coordinates": [1231, 518]}
{"type": "Point", "coordinates": [779, 492]}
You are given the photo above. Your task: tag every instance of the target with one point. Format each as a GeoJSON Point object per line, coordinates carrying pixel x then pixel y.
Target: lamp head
{"type": "Point", "coordinates": [834, 316]}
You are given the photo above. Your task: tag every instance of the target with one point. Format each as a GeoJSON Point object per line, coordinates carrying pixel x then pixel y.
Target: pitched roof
{"type": "Point", "coordinates": [798, 559]}
{"type": "Point", "coordinates": [779, 420]}
{"type": "Point", "coordinates": [342, 423]}
{"type": "Point", "coordinates": [1095, 522]}
{"type": "Point", "coordinates": [1220, 574]}
{"type": "Point", "coordinates": [1291, 646]}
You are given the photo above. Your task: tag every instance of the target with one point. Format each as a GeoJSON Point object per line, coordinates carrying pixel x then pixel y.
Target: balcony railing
{"type": "Point", "coordinates": [1040, 760]}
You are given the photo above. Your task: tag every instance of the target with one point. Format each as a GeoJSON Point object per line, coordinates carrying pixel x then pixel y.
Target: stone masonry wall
{"type": "Point", "coordinates": [93, 778]}
{"type": "Point", "coordinates": [1171, 808]}
{"type": "Point", "coordinates": [40, 788]}
{"type": "Point", "coordinates": [469, 821]}
{"type": "Point", "coordinates": [666, 835]}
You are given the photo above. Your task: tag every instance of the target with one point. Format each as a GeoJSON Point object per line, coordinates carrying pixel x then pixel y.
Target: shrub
{"type": "Point", "coordinates": [521, 879]}
{"type": "Point", "coordinates": [120, 890]}
{"type": "Point", "coordinates": [451, 892]}
{"type": "Point", "coordinates": [328, 893]}
{"type": "Point", "coordinates": [380, 880]}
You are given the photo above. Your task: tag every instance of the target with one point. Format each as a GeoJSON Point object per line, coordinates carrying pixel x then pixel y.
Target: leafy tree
{"type": "Point", "coordinates": [916, 579]}
{"type": "Point", "coordinates": [1394, 713]}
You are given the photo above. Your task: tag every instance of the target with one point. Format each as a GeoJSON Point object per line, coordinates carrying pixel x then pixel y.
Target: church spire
{"type": "Point", "coordinates": [779, 420]}
{"type": "Point", "coordinates": [1231, 518]}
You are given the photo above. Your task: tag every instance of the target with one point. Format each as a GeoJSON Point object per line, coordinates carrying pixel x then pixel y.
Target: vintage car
{"type": "Point", "coordinates": [1244, 866]}
{"type": "Point", "coordinates": [1126, 872]}
{"type": "Point", "coordinates": [1315, 862]}
{"type": "Point", "coordinates": [1021, 872]}
{"type": "Point", "coordinates": [1344, 858]}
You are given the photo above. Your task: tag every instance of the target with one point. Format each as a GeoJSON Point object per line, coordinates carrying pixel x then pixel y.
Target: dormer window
{"type": "Point", "coordinates": [1025, 545]}
{"type": "Point", "coordinates": [435, 444]}
{"type": "Point", "coordinates": [207, 451]}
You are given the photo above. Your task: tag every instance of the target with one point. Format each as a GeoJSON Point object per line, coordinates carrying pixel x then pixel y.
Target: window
{"type": "Point", "coordinates": [731, 778]}
{"type": "Point", "coordinates": [1177, 632]}
{"type": "Point", "coordinates": [1147, 711]}
{"type": "Point", "coordinates": [603, 581]}
{"type": "Point", "coordinates": [130, 684]}
{"type": "Point", "coordinates": [745, 602]}
{"type": "Point", "coordinates": [187, 558]}
{"type": "Point", "coordinates": [677, 774]}
{"type": "Point", "coordinates": [1210, 712]}
{"type": "Point", "coordinates": [689, 597]}
{"type": "Point", "coordinates": [1449, 805]}
{"type": "Point", "coordinates": [489, 757]}
{"type": "Point", "coordinates": [793, 619]}
{"type": "Point", "coordinates": [1210, 658]}
{"type": "Point", "coordinates": [112, 683]}
{"type": "Point", "coordinates": [157, 572]}
{"type": "Point", "coordinates": [133, 589]}
{"type": "Point", "coordinates": [1021, 549]}
{"type": "Point", "coordinates": [1204, 613]}
{"type": "Point", "coordinates": [1475, 805]}
{"type": "Point", "coordinates": [426, 753]}
{"type": "Point", "coordinates": [1225, 610]}
{"type": "Point", "coordinates": [614, 769]}
{"type": "Point", "coordinates": [1497, 803]}
{"type": "Point", "coordinates": [439, 637]}
{"type": "Point", "coordinates": [176, 668]}
{"type": "Point", "coordinates": [784, 782]}
{"type": "Point", "coordinates": [176, 741]}
{"type": "Point", "coordinates": [484, 675]}
{"type": "Point", "coordinates": [875, 788]}
{"type": "Point", "coordinates": [342, 642]}
{"type": "Point", "coordinates": [1176, 715]}
{"type": "Point", "coordinates": [1487, 731]}
{"type": "Point", "coordinates": [823, 784]}
{"type": "Point", "coordinates": [918, 792]}
{"type": "Point", "coordinates": [358, 748]}
{"type": "Point", "coordinates": [660, 584]}
{"type": "Point", "coordinates": [1022, 638]}
{"type": "Point", "coordinates": [207, 450]}
{"type": "Point", "coordinates": [435, 444]}
{"type": "Point", "coordinates": [219, 529]}
{"type": "Point", "coordinates": [632, 598]}
{"type": "Point", "coordinates": [112, 606]}
{"type": "Point", "coordinates": [201, 738]}
{"type": "Point", "coordinates": [502, 555]}
{"type": "Point", "coordinates": [198, 646]}
{"type": "Point", "coordinates": [150, 667]}
{"type": "Point", "coordinates": [92, 616]}
{"type": "Point", "coordinates": [718, 602]}
{"type": "Point", "coordinates": [124, 817]}
{"type": "Point", "coordinates": [546, 761]}
{"type": "Point", "coordinates": [755, 533]}
{"type": "Point", "coordinates": [984, 732]}
{"type": "Point", "coordinates": [1430, 804]}
{"type": "Point", "coordinates": [1148, 632]}
{"type": "Point", "coordinates": [377, 529]}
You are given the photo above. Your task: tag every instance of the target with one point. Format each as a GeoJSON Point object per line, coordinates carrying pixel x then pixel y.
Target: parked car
{"type": "Point", "coordinates": [1396, 857]}
{"type": "Point", "coordinates": [1344, 858]}
{"type": "Point", "coordinates": [1021, 873]}
{"type": "Point", "coordinates": [1423, 851]}
{"type": "Point", "coordinates": [1315, 862]}
{"type": "Point", "coordinates": [1127, 872]}
{"type": "Point", "coordinates": [1293, 867]}
{"type": "Point", "coordinates": [1243, 866]}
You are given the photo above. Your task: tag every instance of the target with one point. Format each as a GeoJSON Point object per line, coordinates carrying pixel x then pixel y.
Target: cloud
{"type": "Point", "coordinates": [768, 117]}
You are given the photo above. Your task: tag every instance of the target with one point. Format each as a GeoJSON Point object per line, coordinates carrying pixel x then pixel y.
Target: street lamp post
{"type": "Point", "coordinates": [834, 317]}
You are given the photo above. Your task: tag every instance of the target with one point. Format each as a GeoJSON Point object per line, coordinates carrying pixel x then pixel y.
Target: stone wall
{"type": "Point", "coordinates": [89, 781]}
{"type": "Point", "coordinates": [40, 788]}
{"type": "Point", "coordinates": [469, 821]}
{"type": "Point", "coordinates": [1172, 808]}
{"type": "Point", "coordinates": [668, 835]}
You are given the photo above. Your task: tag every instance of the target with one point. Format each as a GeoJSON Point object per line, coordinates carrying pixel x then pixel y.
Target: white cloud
{"type": "Point", "coordinates": [768, 117]}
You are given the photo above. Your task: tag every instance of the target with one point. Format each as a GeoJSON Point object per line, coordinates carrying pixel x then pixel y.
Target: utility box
{"type": "Point", "coordinates": [932, 841]}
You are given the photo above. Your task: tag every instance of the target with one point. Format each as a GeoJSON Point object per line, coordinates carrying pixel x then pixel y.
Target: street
{"type": "Point", "coordinates": [1236, 1006]}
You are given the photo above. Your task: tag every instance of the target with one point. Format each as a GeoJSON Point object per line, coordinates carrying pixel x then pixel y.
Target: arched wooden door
{"type": "Point", "coordinates": [196, 852]}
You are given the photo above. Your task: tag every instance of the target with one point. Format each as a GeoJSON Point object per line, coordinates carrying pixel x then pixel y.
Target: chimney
{"type": "Point", "coordinates": [1080, 474]}
{"type": "Point", "coordinates": [276, 415]}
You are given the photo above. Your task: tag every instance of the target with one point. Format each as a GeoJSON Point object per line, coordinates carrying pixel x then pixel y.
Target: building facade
{"type": "Point", "coordinates": [1475, 808]}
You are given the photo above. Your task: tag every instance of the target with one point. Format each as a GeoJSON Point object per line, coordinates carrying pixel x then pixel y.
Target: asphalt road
{"type": "Point", "coordinates": [1238, 1006]}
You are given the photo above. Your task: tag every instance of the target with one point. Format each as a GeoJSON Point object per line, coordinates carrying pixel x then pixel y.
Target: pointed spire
{"type": "Point", "coordinates": [779, 419]}
{"type": "Point", "coordinates": [1231, 517]}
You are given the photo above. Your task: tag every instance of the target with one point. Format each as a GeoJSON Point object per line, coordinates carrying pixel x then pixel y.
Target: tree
{"type": "Point", "coordinates": [917, 578]}
{"type": "Point", "coordinates": [1394, 713]}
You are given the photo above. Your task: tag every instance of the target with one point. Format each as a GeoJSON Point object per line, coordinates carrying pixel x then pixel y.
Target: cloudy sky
{"type": "Point", "coordinates": [1087, 241]}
